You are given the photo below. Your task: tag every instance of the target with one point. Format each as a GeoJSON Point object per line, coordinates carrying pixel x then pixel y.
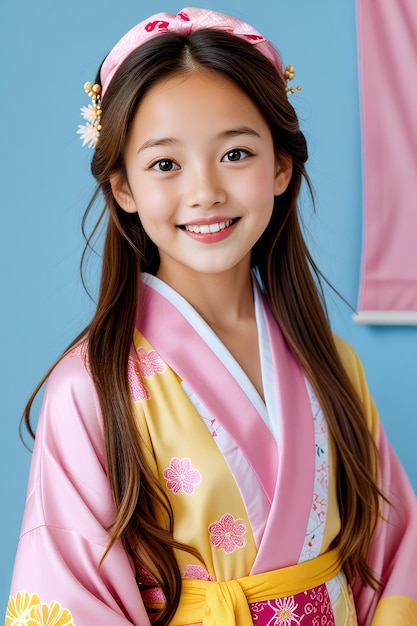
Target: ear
{"type": "Point", "coordinates": [121, 192]}
{"type": "Point", "coordinates": [283, 174]}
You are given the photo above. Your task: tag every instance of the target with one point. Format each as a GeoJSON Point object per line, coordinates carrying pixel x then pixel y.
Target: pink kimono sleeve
{"type": "Point", "coordinates": [68, 509]}
{"type": "Point", "coordinates": [393, 553]}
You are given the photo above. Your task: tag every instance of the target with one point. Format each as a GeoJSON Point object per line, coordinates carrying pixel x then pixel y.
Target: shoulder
{"type": "Point", "coordinates": [68, 469]}
{"type": "Point", "coordinates": [71, 374]}
{"type": "Point", "coordinates": [71, 409]}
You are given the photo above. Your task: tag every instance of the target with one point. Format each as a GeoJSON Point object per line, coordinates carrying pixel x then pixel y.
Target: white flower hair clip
{"type": "Point", "coordinates": [89, 132]}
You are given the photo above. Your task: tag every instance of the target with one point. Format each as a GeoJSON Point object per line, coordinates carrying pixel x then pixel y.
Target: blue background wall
{"type": "Point", "coordinates": [49, 50]}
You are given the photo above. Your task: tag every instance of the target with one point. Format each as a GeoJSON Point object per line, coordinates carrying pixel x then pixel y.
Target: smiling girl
{"type": "Point", "coordinates": [208, 451]}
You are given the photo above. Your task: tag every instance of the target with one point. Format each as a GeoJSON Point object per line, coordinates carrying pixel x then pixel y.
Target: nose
{"type": "Point", "coordinates": [204, 188]}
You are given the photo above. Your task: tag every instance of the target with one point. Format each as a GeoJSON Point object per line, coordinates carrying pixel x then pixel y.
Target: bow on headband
{"type": "Point", "coordinates": [185, 22]}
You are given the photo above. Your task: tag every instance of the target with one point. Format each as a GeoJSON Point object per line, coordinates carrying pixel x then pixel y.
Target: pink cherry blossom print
{"type": "Point", "coordinates": [196, 572]}
{"type": "Point", "coordinates": [180, 476]}
{"type": "Point", "coordinates": [150, 362]}
{"type": "Point", "coordinates": [145, 365]}
{"type": "Point", "coordinates": [137, 389]}
{"type": "Point", "coordinates": [227, 534]}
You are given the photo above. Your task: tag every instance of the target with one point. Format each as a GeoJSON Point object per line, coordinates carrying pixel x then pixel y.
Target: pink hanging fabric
{"type": "Point", "coordinates": [387, 43]}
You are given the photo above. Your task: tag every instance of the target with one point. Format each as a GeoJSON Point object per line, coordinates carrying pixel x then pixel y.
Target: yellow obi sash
{"type": "Point", "coordinates": [227, 603]}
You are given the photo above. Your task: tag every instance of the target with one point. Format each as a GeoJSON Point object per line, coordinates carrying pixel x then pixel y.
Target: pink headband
{"type": "Point", "coordinates": [185, 22]}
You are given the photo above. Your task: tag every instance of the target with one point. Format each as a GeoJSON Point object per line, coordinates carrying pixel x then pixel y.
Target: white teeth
{"type": "Point", "coordinates": [208, 228]}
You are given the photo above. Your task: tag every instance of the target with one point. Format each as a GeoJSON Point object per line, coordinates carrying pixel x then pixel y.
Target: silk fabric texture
{"type": "Point", "coordinates": [69, 505]}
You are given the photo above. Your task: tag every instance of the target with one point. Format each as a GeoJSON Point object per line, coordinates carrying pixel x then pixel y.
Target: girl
{"type": "Point", "coordinates": [208, 452]}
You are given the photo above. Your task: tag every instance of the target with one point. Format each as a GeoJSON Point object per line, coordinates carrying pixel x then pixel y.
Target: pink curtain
{"type": "Point", "coordinates": [387, 44]}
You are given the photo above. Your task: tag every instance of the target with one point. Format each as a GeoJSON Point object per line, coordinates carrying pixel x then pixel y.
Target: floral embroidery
{"type": "Point", "coordinates": [284, 612]}
{"type": "Point", "coordinates": [196, 572]}
{"type": "Point", "coordinates": [323, 475]}
{"type": "Point", "coordinates": [144, 364]}
{"type": "Point", "coordinates": [315, 529]}
{"type": "Point", "coordinates": [227, 534]}
{"type": "Point", "coordinates": [81, 350]}
{"type": "Point", "coordinates": [319, 507]}
{"type": "Point", "coordinates": [149, 590]}
{"type": "Point", "coordinates": [26, 609]}
{"type": "Point", "coordinates": [150, 363]}
{"type": "Point", "coordinates": [151, 595]}
{"type": "Point", "coordinates": [180, 476]}
{"type": "Point", "coordinates": [307, 608]}
{"type": "Point", "coordinates": [78, 350]}
{"type": "Point", "coordinates": [137, 389]}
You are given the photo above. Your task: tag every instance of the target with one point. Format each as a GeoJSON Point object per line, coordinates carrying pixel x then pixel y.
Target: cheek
{"type": "Point", "coordinates": [153, 202]}
{"type": "Point", "coordinates": [258, 187]}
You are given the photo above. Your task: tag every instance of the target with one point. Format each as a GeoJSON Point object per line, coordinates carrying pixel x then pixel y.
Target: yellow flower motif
{"type": "Point", "coordinates": [26, 609]}
{"type": "Point", "coordinates": [19, 607]}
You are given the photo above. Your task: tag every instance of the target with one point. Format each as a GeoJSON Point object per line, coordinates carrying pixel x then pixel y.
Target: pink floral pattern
{"type": "Point", "coordinates": [309, 608]}
{"type": "Point", "coordinates": [150, 362]}
{"type": "Point", "coordinates": [196, 572]}
{"type": "Point", "coordinates": [78, 350]}
{"type": "Point", "coordinates": [144, 364]}
{"type": "Point", "coordinates": [323, 475]}
{"type": "Point", "coordinates": [315, 529]}
{"type": "Point", "coordinates": [227, 534]}
{"type": "Point", "coordinates": [181, 476]}
{"type": "Point", "coordinates": [147, 585]}
{"type": "Point", "coordinates": [137, 389]}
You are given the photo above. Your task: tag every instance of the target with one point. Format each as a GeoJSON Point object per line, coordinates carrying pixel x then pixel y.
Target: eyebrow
{"type": "Point", "coordinates": [226, 134]}
{"type": "Point", "coordinates": [152, 143]}
{"type": "Point", "coordinates": [236, 132]}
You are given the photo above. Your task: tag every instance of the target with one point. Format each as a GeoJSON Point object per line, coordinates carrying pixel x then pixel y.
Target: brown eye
{"type": "Point", "coordinates": [235, 155]}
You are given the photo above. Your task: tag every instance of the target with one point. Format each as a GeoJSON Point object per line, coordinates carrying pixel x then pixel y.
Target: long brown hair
{"type": "Point", "coordinates": [292, 284]}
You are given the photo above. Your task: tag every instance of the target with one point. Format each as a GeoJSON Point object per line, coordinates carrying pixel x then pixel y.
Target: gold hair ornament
{"type": "Point", "coordinates": [89, 132]}
{"type": "Point", "coordinates": [289, 74]}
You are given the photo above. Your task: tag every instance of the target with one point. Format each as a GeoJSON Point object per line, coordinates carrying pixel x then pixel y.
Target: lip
{"type": "Point", "coordinates": [211, 237]}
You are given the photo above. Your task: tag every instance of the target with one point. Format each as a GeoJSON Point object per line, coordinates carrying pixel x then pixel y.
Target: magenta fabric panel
{"type": "Point", "coordinates": [387, 43]}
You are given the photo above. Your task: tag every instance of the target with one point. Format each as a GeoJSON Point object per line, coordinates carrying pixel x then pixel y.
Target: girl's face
{"type": "Point", "coordinates": [201, 174]}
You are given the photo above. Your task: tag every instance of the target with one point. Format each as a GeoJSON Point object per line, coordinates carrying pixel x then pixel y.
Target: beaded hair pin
{"type": "Point", "coordinates": [90, 132]}
{"type": "Point", "coordinates": [186, 22]}
{"type": "Point", "coordinates": [289, 74]}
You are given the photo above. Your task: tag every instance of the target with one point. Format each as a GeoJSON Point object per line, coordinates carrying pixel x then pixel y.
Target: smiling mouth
{"type": "Point", "coordinates": [205, 229]}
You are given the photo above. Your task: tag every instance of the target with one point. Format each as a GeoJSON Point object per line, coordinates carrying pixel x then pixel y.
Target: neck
{"type": "Point", "coordinates": [222, 299]}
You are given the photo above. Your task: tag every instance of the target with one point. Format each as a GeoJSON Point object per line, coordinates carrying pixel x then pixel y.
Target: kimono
{"type": "Point", "coordinates": [251, 482]}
